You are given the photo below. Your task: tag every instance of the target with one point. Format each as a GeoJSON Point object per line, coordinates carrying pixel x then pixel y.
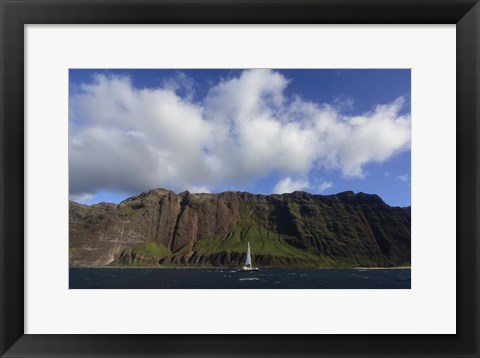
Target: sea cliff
{"type": "Point", "coordinates": [161, 228]}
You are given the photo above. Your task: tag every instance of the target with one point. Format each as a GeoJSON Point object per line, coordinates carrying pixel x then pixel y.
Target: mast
{"type": "Point", "coordinates": [248, 261]}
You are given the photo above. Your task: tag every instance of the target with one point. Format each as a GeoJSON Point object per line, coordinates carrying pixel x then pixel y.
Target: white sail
{"type": "Point", "coordinates": [248, 261]}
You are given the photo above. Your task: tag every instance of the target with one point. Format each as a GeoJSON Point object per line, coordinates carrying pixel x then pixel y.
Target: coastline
{"type": "Point", "coordinates": [383, 268]}
{"type": "Point", "coordinates": [234, 268]}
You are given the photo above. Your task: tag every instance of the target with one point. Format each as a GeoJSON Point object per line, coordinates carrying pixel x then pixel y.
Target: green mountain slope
{"type": "Point", "coordinates": [160, 227]}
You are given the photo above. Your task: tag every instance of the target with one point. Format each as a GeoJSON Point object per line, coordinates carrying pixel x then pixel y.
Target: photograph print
{"type": "Point", "coordinates": [239, 178]}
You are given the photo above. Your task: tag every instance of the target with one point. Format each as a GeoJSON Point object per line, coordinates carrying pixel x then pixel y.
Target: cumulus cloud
{"type": "Point", "coordinates": [324, 186]}
{"type": "Point", "coordinates": [181, 84]}
{"type": "Point", "coordinates": [128, 139]}
{"type": "Point", "coordinates": [288, 185]}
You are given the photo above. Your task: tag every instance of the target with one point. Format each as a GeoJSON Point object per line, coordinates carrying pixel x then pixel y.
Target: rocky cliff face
{"type": "Point", "coordinates": [160, 227]}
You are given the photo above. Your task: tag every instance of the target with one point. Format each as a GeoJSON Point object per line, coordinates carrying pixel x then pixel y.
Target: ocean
{"type": "Point", "coordinates": [228, 278]}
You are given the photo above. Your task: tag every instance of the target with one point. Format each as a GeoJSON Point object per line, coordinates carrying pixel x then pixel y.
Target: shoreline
{"type": "Point", "coordinates": [383, 268]}
{"type": "Point", "coordinates": [235, 268]}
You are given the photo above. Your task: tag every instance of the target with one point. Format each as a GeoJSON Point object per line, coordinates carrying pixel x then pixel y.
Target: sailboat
{"type": "Point", "coordinates": [248, 262]}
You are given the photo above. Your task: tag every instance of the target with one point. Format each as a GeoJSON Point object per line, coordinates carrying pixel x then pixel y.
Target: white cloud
{"type": "Point", "coordinates": [288, 185]}
{"type": "Point", "coordinates": [127, 139]}
{"type": "Point", "coordinates": [82, 198]}
{"type": "Point", "coordinates": [403, 177]}
{"type": "Point", "coordinates": [324, 186]}
{"type": "Point", "coordinates": [344, 102]}
{"type": "Point", "coordinates": [198, 189]}
{"type": "Point", "coordinates": [181, 84]}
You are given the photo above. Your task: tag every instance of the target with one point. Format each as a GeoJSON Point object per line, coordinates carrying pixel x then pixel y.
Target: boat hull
{"type": "Point", "coordinates": [248, 269]}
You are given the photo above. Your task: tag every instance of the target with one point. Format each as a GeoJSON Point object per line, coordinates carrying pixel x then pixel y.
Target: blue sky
{"type": "Point", "coordinates": [261, 130]}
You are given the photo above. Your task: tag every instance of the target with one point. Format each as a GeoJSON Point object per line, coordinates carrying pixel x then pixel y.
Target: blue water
{"type": "Point", "coordinates": [225, 278]}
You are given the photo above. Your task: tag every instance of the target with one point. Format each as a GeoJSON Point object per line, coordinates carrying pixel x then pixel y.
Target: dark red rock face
{"type": "Point", "coordinates": [160, 227]}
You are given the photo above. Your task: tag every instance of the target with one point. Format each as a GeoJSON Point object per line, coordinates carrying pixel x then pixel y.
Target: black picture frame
{"type": "Point", "coordinates": [15, 14]}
